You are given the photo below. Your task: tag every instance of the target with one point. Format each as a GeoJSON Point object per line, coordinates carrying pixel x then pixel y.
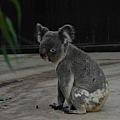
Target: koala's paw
{"type": "Point", "coordinates": [56, 107]}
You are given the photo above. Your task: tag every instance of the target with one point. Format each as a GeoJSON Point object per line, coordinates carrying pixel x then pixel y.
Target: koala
{"type": "Point", "coordinates": [81, 81]}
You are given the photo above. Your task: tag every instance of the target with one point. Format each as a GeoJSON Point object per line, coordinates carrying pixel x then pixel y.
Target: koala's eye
{"type": "Point", "coordinates": [53, 50]}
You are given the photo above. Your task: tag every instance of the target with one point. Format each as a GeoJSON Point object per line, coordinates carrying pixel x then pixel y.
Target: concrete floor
{"type": "Point", "coordinates": [34, 83]}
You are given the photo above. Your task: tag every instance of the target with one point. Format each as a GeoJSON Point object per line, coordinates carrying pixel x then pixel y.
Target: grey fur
{"type": "Point", "coordinates": [81, 81]}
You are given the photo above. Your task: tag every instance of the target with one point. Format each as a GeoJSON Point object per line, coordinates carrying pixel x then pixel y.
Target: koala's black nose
{"type": "Point", "coordinates": [43, 52]}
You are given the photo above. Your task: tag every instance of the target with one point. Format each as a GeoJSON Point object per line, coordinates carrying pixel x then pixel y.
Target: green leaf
{"type": "Point", "coordinates": [4, 51]}
{"type": "Point", "coordinates": [5, 32]}
{"type": "Point", "coordinates": [17, 5]}
{"type": "Point", "coordinates": [10, 27]}
{"type": "Point", "coordinates": [9, 39]}
{"type": "Point", "coordinates": [6, 98]}
{"type": "Point", "coordinates": [5, 54]}
{"type": "Point", "coordinates": [8, 31]}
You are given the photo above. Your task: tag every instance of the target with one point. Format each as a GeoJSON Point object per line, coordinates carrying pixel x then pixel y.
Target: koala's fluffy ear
{"type": "Point", "coordinates": [67, 32]}
{"type": "Point", "coordinates": [40, 31]}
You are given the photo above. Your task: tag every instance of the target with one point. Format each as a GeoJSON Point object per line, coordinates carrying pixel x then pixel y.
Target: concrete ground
{"type": "Point", "coordinates": [34, 83]}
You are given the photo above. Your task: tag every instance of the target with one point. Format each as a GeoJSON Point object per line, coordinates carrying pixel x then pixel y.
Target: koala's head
{"type": "Point", "coordinates": [53, 44]}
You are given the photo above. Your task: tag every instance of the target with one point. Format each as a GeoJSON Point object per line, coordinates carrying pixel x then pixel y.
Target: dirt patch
{"type": "Point", "coordinates": [44, 76]}
{"type": "Point", "coordinates": [108, 63]}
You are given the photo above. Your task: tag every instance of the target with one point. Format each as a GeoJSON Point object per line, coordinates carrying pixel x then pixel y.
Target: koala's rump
{"type": "Point", "coordinates": [92, 101]}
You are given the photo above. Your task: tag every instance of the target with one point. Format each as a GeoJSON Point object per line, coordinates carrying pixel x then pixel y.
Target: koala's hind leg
{"type": "Point", "coordinates": [84, 101]}
{"type": "Point", "coordinates": [78, 101]}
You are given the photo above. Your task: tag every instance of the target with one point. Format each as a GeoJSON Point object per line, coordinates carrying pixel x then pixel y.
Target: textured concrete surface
{"type": "Point", "coordinates": [34, 83]}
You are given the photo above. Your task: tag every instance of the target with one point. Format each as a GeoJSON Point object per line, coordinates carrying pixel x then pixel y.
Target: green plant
{"type": "Point", "coordinates": [8, 32]}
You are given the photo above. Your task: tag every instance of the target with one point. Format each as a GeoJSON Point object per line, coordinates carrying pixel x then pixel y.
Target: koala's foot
{"type": "Point", "coordinates": [56, 107]}
{"type": "Point", "coordinates": [74, 111]}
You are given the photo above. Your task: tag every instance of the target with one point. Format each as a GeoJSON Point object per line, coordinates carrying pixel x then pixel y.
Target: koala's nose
{"type": "Point", "coordinates": [43, 52]}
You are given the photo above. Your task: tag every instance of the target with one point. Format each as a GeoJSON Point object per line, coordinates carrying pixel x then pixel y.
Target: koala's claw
{"type": "Point", "coordinates": [56, 107]}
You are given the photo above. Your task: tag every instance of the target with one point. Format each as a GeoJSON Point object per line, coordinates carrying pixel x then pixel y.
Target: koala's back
{"type": "Point", "coordinates": [87, 73]}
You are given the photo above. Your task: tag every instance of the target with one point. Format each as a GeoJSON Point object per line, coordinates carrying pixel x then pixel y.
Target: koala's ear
{"type": "Point", "coordinates": [67, 32]}
{"type": "Point", "coordinates": [40, 30]}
